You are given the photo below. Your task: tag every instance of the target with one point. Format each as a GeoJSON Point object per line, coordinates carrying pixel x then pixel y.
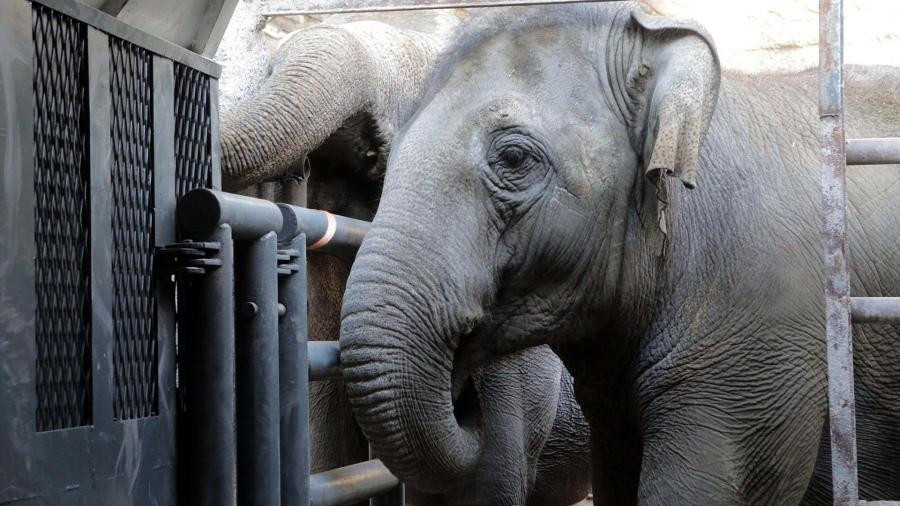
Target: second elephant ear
{"type": "Point", "coordinates": [674, 88]}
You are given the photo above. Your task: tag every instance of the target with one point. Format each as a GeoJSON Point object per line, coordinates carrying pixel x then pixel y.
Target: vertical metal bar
{"type": "Point", "coordinates": [100, 199]}
{"type": "Point", "coordinates": [257, 373]}
{"type": "Point", "coordinates": [394, 497]}
{"type": "Point", "coordinates": [206, 327]}
{"type": "Point", "coordinates": [164, 228]}
{"type": "Point", "coordinates": [18, 351]}
{"type": "Point", "coordinates": [293, 381]}
{"type": "Point", "coordinates": [215, 147]}
{"type": "Point", "coordinates": [841, 403]}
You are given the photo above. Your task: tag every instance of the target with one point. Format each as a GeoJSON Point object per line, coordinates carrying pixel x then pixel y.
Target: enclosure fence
{"type": "Point", "coordinates": [842, 309]}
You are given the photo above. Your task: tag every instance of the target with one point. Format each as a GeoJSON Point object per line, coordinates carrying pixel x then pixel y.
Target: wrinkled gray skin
{"type": "Point", "coordinates": [540, 453]}
{"type": "Point", "coordinates": [525, 204]}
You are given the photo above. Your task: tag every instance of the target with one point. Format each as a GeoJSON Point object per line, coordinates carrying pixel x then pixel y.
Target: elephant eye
{"type": "Point", "coordinates": [516, 160]}
{"type": "Point", "coordinates": [512, 156]}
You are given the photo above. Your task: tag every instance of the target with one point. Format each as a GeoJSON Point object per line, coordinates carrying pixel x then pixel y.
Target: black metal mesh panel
{"type": "Point", "coordinates": [193, 165]}
{"type": "Point", "coordinates": [134, 301]}
{"type": "Point", "coordinates": [62, 221]}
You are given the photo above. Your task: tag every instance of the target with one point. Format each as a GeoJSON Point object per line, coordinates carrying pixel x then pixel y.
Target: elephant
{"type": "Point", "coordinates": [541, 455]}
{"type": "Point", "coordinates": [588, 178]}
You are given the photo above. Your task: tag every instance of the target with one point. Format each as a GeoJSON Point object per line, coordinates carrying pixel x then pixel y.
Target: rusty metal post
{"type": "Point", "coordinates": [841, 403]}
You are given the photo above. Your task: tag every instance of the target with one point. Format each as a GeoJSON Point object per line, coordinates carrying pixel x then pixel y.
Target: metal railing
{"type": "Point", "coordinates": [842, 309]}
{"type": "Point", "coordinates": [250, 386]}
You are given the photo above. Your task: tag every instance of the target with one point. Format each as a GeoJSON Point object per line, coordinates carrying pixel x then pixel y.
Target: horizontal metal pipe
{"type": "Point", "coordinates": [875, 309]}
{"type": "Point", "coordinates": [349, 484]}
{"type": "Point", "coordinates": [324, 360]}
{"type": "Point", "coordinates": [202, 210]}
{"type": "Point", "coordinates": [352, 7]}
{"type": "Point", "coordinates": [326, 232]}
{"type": "Point", "coordinates": [884, 151]}
{"type": "Point", "coordinates": [876, 151]}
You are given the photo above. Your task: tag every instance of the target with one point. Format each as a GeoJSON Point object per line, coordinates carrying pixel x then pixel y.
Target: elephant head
{"type": "Point", "coordinates": [535, 164]}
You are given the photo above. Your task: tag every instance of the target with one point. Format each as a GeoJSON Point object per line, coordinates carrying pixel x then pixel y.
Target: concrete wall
{"type": "Point", "coordinates": [782, 35]}
{"type": "Point", "coordinates": [751, 35]}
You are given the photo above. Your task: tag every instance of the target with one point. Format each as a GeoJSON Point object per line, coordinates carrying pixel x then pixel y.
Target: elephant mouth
{"type": "Point", "coordinates": [467, 360]}
{"type": "Point", "coordinates": [467, 406]}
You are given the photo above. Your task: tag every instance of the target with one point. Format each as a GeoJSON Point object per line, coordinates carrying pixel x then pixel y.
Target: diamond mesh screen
{"type": "Point", "coordinates": [134, 303]}
{"type": "Point", "coordinates": [193, 166]}
{"type": "Point", "coordinates": [62, 221]}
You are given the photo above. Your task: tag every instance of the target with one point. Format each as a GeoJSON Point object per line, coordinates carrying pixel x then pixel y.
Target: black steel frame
{"type": "Point", "coordinates": [270, 412]}
{"type": "Point", "coordinates": [120, 447]}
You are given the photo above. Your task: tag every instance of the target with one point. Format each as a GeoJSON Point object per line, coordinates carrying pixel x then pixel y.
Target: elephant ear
{"type": "Point", "coordinates": [674, 88]}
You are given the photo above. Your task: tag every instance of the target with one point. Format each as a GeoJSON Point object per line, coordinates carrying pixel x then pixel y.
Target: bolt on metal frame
{"type": "Point", "coordinates": [841, 309]}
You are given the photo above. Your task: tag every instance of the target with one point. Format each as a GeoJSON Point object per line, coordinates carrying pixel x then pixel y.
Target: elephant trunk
{"type": "Point", "coordinates": [315, 84]}
{"type": "Point", "coordinates": [320, 77]}
{"type": "Point", "coordinates": [397, 358]}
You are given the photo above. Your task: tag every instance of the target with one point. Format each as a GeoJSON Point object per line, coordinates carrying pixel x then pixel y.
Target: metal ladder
{"type": "Point", "coordinates": [841, 309]}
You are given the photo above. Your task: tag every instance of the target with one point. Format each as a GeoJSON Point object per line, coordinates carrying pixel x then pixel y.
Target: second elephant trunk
{"type": "Point", "coordinates": [321, 77]}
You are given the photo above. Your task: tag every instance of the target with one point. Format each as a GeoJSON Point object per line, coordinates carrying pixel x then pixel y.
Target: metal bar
{"type": "Point", "coordinates": [326, 232]}
{"type": "Point", "coordinates": [256, 339]}
{"type": "Point", "coordinates": [293, 382]}
{"type": "Point", "coordinates": [351, 7]}
{"type": "Point", "coordinates": [875, 309]}
{"type": "Point", "coordinates": [17, 276]}
{"type": "Point", "coordinates": [164, 225]}
{"type": "Point", "coordinates": [324, 360]}
{"type": "Point", "coordinates": [393, 497]}
{"type": "Point", "coordinates": [841, 402]}
{"type": "Point", "coordinates": [215, 147]}
{"type": "Point", "coordinates": [101, 241]}
{"type": "Point", "coordinates": [206, 319]}
{"type": "Point", "coordinates": [202, 210]}
{"type": "Point", "coordinates": [883, 151]}
{"type": "Point", "coordinates": [346, 485]}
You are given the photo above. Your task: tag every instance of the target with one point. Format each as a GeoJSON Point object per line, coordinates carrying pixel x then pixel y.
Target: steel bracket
{"type": "Point", "coordinates": [187, 258]}
{"type": "Point", "coordinates": [287, 262]}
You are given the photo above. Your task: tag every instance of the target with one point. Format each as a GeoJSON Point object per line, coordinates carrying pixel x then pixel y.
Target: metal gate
{"type": "Point", "coordinates": [245, 426]}
{"type": "Point", "coordinates": [97, 123]}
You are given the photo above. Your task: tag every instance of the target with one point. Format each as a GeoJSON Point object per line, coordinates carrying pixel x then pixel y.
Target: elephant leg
{"type": "Point", "coordinates": [564, 466]}
{"type": "Point", "coordinates": [691, 463]}
{"type": "Point", "coordinates": [518, 396]}
{"type": "Point", "coordinates": [730, 448]}
{"type": "Point", "coordinates": [335, 439]}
